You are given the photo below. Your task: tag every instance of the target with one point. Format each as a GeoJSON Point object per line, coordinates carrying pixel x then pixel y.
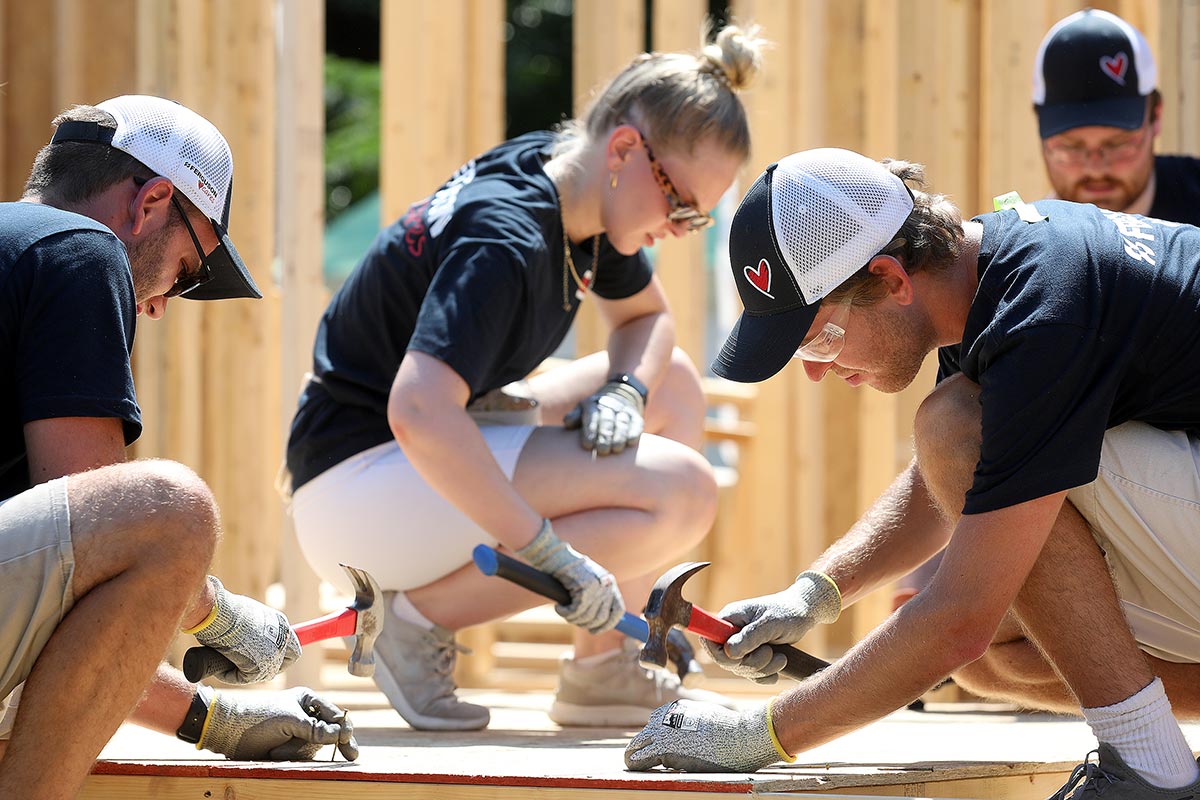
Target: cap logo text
{"type": "Point", "coordinates": [760, 277]}
{"type": "Point", "coordinates": [202, 183]}
{"type": "Point", "coordinates": [1115, 67]}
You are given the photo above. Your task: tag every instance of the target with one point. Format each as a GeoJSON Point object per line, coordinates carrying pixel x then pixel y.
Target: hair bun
{"type": "Point", "coordinates": [735, 56]}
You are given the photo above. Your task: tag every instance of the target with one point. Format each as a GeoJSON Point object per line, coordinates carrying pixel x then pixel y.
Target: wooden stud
{"type": "Point", "coordinates": [301, 221]}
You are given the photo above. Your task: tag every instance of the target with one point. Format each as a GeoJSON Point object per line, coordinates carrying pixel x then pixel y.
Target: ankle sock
{"type": "Point", "coordinates": [405, 610]}
{"type": "Point", "coordinates": [587, 662]}
{"type": "Point", "coordinates": [1146, 735]}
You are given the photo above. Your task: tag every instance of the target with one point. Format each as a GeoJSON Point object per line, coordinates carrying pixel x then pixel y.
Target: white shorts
{"type": "Point", "coordinates": [1144, 510]}
{"type": "Point", "coordinates": [375, 512]}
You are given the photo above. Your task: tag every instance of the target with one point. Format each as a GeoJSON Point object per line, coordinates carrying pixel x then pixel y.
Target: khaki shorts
{"type": "Point", "coordinates": [37, 565]}
{"type": "Point", "coordinates": [1144, 510]}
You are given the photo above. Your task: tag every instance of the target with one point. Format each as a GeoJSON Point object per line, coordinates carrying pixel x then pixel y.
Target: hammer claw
{"type": "Point", "coordinates": [666, 608]}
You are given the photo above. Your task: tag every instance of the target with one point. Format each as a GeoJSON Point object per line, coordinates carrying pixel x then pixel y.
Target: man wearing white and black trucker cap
{"type": "Point", "coordinates": [782, 278]}
{"type": "Point", "coordinates": [102, 562]}
{"type": "Point", "coordinates": [1068, 421]}
{"type": "Point", "coordinates": [180, 145]}
{"type": "Point", "coordinates": [1095, 92]}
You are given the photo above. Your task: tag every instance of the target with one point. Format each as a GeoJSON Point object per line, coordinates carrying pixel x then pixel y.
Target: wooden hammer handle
{"type": "Point", "coordinates": [799, 663]}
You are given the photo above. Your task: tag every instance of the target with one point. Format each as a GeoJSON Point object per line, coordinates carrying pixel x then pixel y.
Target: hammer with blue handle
{"type": "Point", "coordinates": [492, 562]}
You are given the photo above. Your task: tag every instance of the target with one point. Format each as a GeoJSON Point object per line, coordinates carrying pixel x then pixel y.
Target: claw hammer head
{"type": "Point", "coordinates": [665, 608]}
{"type": "Point", "coordinates": [368, 622]}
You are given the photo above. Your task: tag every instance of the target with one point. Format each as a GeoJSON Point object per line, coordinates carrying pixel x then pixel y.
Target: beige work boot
{"type": "Point", "coordinates": [414, 668]}
{"type": "Point", "coordinates": [618, 692]}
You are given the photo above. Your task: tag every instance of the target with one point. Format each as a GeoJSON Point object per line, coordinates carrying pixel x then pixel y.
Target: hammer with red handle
{"type": "Point", "coordinates": [666, 608]}
{"type": "Point", "coordinates": [362, 619]}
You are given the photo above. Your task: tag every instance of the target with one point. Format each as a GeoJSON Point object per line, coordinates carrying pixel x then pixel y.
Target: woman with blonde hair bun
{"type": "Point", "coordinates": [418, 437]}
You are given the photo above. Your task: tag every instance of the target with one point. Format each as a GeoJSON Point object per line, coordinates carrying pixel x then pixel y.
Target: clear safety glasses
{"type": "Point", "coordinates": [829, 341]}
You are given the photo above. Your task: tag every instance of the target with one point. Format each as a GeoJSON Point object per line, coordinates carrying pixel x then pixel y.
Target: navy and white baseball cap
{"type": "Point", "coordinates": [808, 223]}
{"type": "Point", "coordinates": [1092, 68]}
{"type": "Point", "coordinates": [182, 146]}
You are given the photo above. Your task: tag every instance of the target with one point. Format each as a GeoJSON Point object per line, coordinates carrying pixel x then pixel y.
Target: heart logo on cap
{"type": "Point", "coordinates": [760, 277]}
{"type": "Point", "coordinates": [1115, 67]}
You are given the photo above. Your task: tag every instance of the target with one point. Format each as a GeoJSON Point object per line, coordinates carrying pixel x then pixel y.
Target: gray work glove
{"type": "Point", "coordinates": [609, 420]}
{"type": "Point", "coordinates": [276, 726]}
{"type": "Point", "coordinates": [596, 603]}
{"type": "Point", "coordinates": [780, 618]}
{"type": "Point", "coordinates": [706, 737]}
{"type": "Point", "coordinates": [255, 637]}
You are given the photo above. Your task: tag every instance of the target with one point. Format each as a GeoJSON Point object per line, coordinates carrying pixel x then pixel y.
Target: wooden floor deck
{"type": "Point", "coordinates": [950, 750]}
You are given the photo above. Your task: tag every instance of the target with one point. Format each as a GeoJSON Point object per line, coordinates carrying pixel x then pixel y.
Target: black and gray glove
{"type": "Point", "coordinates": [256, 638]}
{"type": "Point", "coordinates": [596, 603]}
{"type": "Point", "coordinates": [780, 618]}
{"type": "Point", "coordinates": [276, 726]}
{"type": "Point", "coordinates": [609, 420]}
{"type": "Point", "coordinates": [706, 737]}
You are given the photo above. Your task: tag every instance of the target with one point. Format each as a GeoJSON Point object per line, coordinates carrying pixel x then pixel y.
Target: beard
{"type": "Point", "coordinates": [904, 342]}
{"type": "Point", "coordinates": [146, 263]}
{"type": "Point", "coordinates": [1114, 193]}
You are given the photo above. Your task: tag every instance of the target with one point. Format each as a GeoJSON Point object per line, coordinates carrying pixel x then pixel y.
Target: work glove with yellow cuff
{"type": "Point", "coordinates": [706, 737]}
{"type": "Point", "coordinates": [780, 618]}
{"type": "Point", "coordinates": [257, 639]}
{"type": "Point", "coordinates": [274, 726]}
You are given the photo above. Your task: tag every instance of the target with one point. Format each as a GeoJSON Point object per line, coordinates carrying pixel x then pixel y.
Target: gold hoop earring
{"type": "Point", "coordinates": [612, 180]}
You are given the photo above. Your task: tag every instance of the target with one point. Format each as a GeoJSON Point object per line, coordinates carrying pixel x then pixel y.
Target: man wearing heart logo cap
{"type": "Point", "coordinates": [1065, 424]}
{"type": "Point", "coordinates": [1099, 110]}
{"type": "Point", "coordinates": [102, 562]}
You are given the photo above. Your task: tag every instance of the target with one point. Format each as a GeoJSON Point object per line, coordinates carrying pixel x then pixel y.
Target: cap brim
{"type": "Point", "coordinates": [230, 277]}
{"type": "Point", "coordinates": [761, 345]}
{"type": "Point", "coordinates": [1115, 112]}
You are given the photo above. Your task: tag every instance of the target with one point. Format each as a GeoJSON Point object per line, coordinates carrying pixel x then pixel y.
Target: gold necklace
{"type": "Point", "coordinates": [584, 284]}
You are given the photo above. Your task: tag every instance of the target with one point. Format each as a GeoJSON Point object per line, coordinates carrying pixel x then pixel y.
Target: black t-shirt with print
{"type": "Point", "coordinates": [1081, 322]}
{"type": "Point", "coordinates": [473, 276]}
{"type": "Point", "coordinates": [67, 314]}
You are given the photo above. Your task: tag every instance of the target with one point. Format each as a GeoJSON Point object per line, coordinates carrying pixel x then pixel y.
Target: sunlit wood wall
{"type": "Point", "coordinates": [943, 82]}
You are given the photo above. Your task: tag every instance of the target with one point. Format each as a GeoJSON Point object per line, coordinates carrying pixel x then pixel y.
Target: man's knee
{"type": "Point", "coordinates": [946, 437]}
{"type": "Point", "coordinates": [949, 419]}
{"type": "Point", "coordinates": [154, 510]}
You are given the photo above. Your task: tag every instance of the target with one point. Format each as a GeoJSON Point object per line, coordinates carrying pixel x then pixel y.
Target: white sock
{"type": "Point", "coordinates": [1145, 734]}
{"type": "Point", "coordinates": [405, 610]}
{"type": "Point", "coordinates": [596, 660]}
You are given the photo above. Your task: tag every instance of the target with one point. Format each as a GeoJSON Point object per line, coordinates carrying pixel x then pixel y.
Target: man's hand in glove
{"type": "Point", "coordinates": [255, 637]}
{"type": "Point", "coordinates": [609, 420]}
{"type": "Point", "coordinates": [596, 603]}
{"type": "Point", "coordinates": [276, 726]}
{"type": "Point", "coordinates": [706, 737]}
{"type": "Point", "coordinates": [780, 618]}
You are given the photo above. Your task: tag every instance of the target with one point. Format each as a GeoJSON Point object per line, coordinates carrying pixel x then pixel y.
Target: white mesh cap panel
{"type": "Point", "coordinates": [832, 211]}
{"type": "Point", "coordinates": [178, 144]}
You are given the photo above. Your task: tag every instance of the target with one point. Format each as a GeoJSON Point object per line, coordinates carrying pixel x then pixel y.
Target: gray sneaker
{"type": "Point", "coordinates": [618, 692]}
{"type": "Point", "coordinates": [414, 668]}
{"type": "Point", "coordinates": [1115, 780]}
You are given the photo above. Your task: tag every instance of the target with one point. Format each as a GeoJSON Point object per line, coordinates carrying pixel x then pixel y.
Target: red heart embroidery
{"type": "Point", "coordinates": [760, 278]}
{"type": "Point", "coordinates": [1115, 66]}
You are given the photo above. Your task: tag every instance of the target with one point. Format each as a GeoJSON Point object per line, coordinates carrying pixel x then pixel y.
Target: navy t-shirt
{"type": "Point", "coordinates": [67, 313]}
{"type": "Point", "coordinates": [473, 276]}
{"type": "Point", "coordinates": [1081, 322]}
{"type": "Point", "coordinates": [1176, 189]}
